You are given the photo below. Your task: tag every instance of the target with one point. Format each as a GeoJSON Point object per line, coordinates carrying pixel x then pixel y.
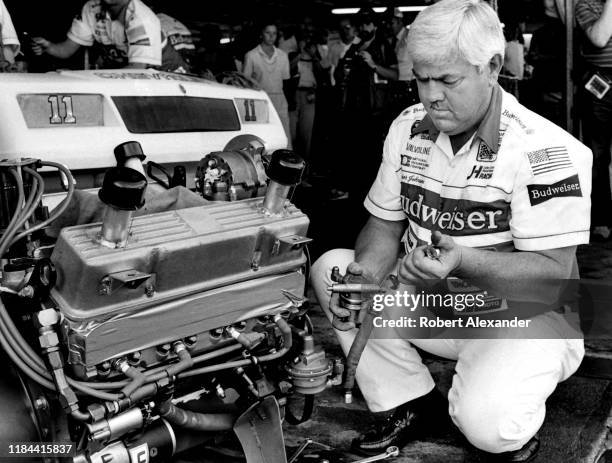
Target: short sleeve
{"type": "Point", "coordinates": [248, 68]}
{"type": "Point", "coordinates": [285, 66]}
{"type": "Point", "coordinates": [384, 197]}
{"type": "Point", "coordinates": [143, 33]}
{"type": "Point", "coordinates": [551, 198]}
{"type": "Point", "coordinates": [82, 28]}
{"type": "Point", "coordinates": [585, 15]}
{"type": "Point", "coordinates": [9, 35]}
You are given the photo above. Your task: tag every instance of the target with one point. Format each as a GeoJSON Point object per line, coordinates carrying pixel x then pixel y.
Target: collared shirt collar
{"type": "Point", "coordinates": [261, 51]}
{"type": "Point", "coordinates": [488, 130]}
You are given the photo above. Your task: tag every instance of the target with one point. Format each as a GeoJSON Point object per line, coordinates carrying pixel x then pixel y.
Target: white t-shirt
{"type": "Point", "coordinates": [268, 71]}
{"type": "Point", "coordinates": [520, 182]}
{"type": "Point", "coordinates": [9, 35]}
{"type": "Point", "coordinates": [136, 35]}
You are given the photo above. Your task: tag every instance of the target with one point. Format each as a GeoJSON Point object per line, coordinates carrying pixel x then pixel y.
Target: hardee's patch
{"type": "Point", "coordinates": [539, 193]}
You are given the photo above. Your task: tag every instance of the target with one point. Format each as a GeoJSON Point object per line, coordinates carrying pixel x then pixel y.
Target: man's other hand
{"type": "Point", "coordinates": [416, 268]}
{"type": "Point", "coordinates": [354, 271]}
{"type": "Point", "coordinates": [39, 45]}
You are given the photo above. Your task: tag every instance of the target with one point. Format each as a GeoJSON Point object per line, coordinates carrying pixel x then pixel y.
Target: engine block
{"type": "Point", "coordinates": [183, 273]}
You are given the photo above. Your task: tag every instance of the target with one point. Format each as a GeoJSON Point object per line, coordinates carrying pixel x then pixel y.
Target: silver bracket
{"type": "Point", "coordinates": [290, 243]}
{"type": "Point", "coordinates": [130, 279]}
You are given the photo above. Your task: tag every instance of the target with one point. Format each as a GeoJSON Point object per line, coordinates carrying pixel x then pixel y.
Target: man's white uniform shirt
{"type": "Point", "coordinates": [519, 183]}
{"type": "Point", "coordinates": [137, 36]}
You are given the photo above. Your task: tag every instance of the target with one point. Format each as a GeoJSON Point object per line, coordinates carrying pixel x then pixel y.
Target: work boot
{"type": "Point", "coordinates": [526, 453]}
{"type": "Point", "coordinates": [409, 421]}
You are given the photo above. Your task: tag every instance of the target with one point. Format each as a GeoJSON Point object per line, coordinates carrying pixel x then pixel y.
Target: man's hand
{"type": "Point", "coordinates": [416, 268]}
{"type": "Point", "coordinates": [354, 272]}
{"type": "Point", "coordinates": [39, 45]}
{"type": "Point", "coordinates": [368, 59]}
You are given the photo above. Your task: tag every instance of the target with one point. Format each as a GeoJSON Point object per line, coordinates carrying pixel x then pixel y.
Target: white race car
{"type": "Point", "coordinates": [77, 117]}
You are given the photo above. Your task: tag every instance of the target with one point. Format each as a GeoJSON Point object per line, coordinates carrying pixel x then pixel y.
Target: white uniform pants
{"type": "Point", "coordinates": [497, 398]}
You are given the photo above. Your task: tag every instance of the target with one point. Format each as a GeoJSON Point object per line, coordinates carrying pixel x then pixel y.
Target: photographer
{"type": "Point", "coordinates": [595, 19]}
{"type": "Point", "coordinates": [362, 77]}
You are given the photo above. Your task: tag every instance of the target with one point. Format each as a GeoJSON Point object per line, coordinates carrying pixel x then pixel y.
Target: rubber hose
{"type": "Point", "coordinates": [359, 343]}
{"type": "Point", "coordinates": [194, 420]}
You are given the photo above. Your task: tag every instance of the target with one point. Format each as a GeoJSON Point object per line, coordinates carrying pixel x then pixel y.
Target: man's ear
{"type": "Point", "coordinates": [495, 65]}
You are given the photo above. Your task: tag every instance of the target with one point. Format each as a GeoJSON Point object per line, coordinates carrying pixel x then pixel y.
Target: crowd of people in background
{"type": "Point", "coordinates": [335, 86]}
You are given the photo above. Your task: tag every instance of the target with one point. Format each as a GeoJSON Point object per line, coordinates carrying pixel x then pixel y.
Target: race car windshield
{"type": "Point", "coordinates": [163, 114]}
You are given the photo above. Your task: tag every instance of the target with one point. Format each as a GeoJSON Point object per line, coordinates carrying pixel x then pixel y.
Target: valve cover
{"type": "Point", "coordinates": [182, 272]}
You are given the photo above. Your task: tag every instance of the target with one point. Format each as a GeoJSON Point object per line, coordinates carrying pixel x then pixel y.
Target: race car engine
{"type": "Point", "coordinates": [143, 336]}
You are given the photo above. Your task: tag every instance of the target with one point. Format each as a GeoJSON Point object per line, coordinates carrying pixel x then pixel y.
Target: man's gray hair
{"type": "Point", "coordinates": [452, 29]}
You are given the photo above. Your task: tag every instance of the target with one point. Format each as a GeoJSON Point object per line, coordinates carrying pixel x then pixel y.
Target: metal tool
{"type": "Point", "coordinates": [432, 252]}
{"type": "Point", "coordinates": [300, 450]}
{"type": "Point", "coordinates": [391, 452]}
{"type": "Point", "coordinates": [356, 288]}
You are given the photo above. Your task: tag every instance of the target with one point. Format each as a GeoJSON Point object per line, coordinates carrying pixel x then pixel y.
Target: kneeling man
{"type": "Point", "coordinates": [504, 194]}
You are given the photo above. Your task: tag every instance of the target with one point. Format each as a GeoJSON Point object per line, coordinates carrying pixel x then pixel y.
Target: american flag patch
{"type": "Point", "coordinates": [549, 159]}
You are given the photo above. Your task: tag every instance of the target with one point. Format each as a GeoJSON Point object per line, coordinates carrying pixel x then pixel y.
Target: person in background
{"type": "Point", "coordinates": [404, 91]}
{"type": "Point", "coordinates": [514, 59]}
{"type": "Point", "coordinates": [595, 19]}
{"type": "Point", "coordinates": [362, 77]}
{"type": "Point", "coordinates": [269, 67]}
{"type": "Point", "coordinates": [513, 69]}
{"type": "Point", "coordinates": [348, 37]}
{"type": "Point", "coordinates": [544, 91]}
{"type": "Point", "coordinates": [308, 61]}
{"type": "Point", "coordinates": [212, 58]}
{"type": "Point", "coordinates": [125, 33]}
{"type": "Point", "coordinates": [288, 42]}
{"type": "Point", "coordinates": [10, 41]}
{"type": "Point", "coordinates": [336, 151]}
{"type": "Point", "coordinates": [179, 36]}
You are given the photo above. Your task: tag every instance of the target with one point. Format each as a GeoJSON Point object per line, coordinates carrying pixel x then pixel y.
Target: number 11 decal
{"type": "Point", "coordinates": [55, 114]}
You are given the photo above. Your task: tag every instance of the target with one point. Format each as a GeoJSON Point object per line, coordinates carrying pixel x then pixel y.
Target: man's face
{"type": "Point", "coordinates": [115, 6]}
{"type": "Point", "coordinates": [455, 94]}
{"type": "Point", "coordinates": [367, 31]}
{"type": "Point", "coordinates": [347, 31]}
{"type": "Point", "coordinates": [269, 35]}
{"type": "Point", "coordinates": [396, 25]}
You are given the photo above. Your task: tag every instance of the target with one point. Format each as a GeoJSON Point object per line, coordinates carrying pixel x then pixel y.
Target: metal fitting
{"type": "Point", "coordinates": [232, 332]}
{"type": "Point", "coordinates": [149, 290]}
{"type": "Point", "coordinates": [121, 365]}
{"type": "Point", "coordinates": [178, 346]}
{"type": "Point", "coordinates": [164, 350]}
{"type": "Point", "coordinates": [112, 428]}
{"type": "Point", "coordinates": [220, 391]}
{"type": "Point", "coordinates": [48, 339]}
{"type": "Point", "coordinates": [134, 358]}
{"type": "Point", "coordinates": [47, 317]}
